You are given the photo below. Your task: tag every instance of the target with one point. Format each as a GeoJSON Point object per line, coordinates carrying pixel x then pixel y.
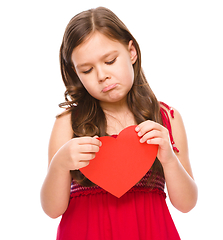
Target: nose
{"type": "Point", "coordinates": [102, 74]}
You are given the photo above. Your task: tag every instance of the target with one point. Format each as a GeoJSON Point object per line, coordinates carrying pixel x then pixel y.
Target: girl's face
{"type": "Point", "coordinates": [105, 67]}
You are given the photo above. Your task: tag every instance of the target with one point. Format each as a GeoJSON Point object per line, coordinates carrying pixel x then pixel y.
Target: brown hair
{"type": "Point", "coordinates": [88, 118]}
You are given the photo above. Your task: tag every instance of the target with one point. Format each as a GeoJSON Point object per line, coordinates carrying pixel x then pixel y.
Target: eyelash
{"type": "Point", "coordinates": [88, 71]}
{"type": "Point", "coordinates": [111, 62]}
{"type": "Point", "coordinates": [108, 63]}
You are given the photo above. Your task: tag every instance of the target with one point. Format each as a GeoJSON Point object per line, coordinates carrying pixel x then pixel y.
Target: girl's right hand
{"type": "Point", "coordinates": [77, 153]}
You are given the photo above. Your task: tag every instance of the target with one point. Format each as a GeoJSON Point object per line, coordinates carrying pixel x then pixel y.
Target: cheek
{"type": "Point", "coordinates": [85, 83]}
{"type": "Point", "coordinates": [129, 69]}
{"type": "Point", "coordinates": [84, 79]}
{"type": "Point", "coordinates": [124, 70]}
{"type": "Point", "coordinates": [132, 74]}
{"type": "Point", "coordinates": [129, 73]}
{"type": "Point", "coordinates": [89, 86]}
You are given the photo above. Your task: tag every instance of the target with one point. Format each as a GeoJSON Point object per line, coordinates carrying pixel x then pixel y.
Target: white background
{"type": "Point", "coordinates": [182, 56]}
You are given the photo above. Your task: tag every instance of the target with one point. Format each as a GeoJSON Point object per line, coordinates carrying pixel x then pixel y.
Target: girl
{"type": "Point", "coordinates": [106, 91]}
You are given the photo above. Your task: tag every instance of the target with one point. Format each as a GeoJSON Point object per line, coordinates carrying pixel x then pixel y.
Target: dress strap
{"type": "Point", "coordinates": [166, 122]}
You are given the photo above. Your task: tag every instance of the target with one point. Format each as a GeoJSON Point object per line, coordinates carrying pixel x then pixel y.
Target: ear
{"type": "Point", "coordinates": [132, 51]}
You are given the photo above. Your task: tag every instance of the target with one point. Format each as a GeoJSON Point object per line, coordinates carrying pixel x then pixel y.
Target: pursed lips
{"type": "Point", "coordinates": [109, 87]}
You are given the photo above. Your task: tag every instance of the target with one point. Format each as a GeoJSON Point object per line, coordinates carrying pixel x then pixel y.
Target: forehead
{"type": "Point", "coordinates": [94, 47]}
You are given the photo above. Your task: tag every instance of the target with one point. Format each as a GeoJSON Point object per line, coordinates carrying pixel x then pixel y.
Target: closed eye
{"type": "Point", "coordinates": [108, 63]}
{"type": "Point", "coordinates": [88, 71]}
{"type": "Point", "coordinates": [111, 62]}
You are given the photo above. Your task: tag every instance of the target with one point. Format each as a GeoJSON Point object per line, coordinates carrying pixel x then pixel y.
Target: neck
{"type": "Point", "coordinates": [115, 107]}
{"type": "Point", "coordinates": [118, 116]}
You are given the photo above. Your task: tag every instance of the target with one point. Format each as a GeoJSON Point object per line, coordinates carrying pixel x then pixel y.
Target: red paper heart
{"type": "Point", "coordinates": [121, 162]}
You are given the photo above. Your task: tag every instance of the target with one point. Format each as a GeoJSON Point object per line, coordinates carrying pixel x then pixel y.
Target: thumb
{"type": "Point", "coordinates": [97, 137]}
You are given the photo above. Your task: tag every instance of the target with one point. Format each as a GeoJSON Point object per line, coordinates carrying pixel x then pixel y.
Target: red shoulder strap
{"type": "Point", "coordinates": [166, 122]}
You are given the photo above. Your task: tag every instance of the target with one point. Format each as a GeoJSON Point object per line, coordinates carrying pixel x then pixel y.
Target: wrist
{"type": "Point", "coordinates": [171, 163]}
{"type": "Point", "coordinates": [57, 165]}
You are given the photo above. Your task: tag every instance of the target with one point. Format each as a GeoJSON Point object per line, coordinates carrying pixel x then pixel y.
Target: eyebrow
{"type": "Point", "coordinates": [102, 57]}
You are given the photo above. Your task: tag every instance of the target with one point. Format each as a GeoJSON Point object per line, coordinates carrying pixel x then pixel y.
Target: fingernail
{"type": "Point", "coordinates": [139, 134]}
{"type": "Point", "coordinates": [137, 129]}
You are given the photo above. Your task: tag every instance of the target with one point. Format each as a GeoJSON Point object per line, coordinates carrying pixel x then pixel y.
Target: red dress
{"type": "Point", "coordinates": [140, 214]}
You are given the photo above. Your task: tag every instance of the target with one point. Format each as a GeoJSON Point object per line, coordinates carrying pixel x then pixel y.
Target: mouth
{"type": "Point", "coordinates": [110, 87]}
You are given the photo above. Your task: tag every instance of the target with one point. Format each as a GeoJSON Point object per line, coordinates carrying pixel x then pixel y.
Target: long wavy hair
{"type": "Point", "coordinates": [87, 116]}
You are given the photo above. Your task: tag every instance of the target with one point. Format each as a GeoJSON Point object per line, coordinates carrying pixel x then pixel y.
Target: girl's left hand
{"type": "Point", "coordinates": [154, 133]}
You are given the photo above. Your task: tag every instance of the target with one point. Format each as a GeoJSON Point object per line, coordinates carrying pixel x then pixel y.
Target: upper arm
{"type": "Point", "coordinates": [180, 139]}
{"type": "Point", "coordinates": [61, 133]}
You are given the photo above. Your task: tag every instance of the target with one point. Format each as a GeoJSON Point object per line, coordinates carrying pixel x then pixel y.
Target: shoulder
{"type": "Point", "coordinates": [61, 133]}
{"type": "Point", "coordinates": [63, 124]}
{"type": "Point", "coordinates": [176, 122]}
{"type": "Point", "coordinates": [64, 117]}
{"type": "Point", "coordinates": [179, 132]}
{"type": "Point", "coordinates": [173, 115]}
{"type": "Point", "coordinates": [179, 136]}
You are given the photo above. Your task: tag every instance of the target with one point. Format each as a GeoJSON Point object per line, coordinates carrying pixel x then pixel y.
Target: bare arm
{"type": "Point", "coordinates": [65, 154]}
{"type": "Point", "coordinates": [180, 184]}
{"type": "Point", "coordinates": [56, 187]}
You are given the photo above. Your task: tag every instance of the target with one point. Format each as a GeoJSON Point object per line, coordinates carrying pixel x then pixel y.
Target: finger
{"type": "Point", "coordinates": [154, 141]}
{"type": "Point", "coordinates": [96, 137]}
{"type": "Point", "coordinates": [147, 126]}
{"type": "Point", "coordinates": [83, 164]}
{"type": "Point", "coordinates": [145, 123]}
{"type": "Point", "coordinates": [86, 156]}
{"type": "Point", "coordinates": [89, 148]}
{"type": "Point", "coordinates": [89, 140]}
{"type": "Point", "coordinates": [150, 135]}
